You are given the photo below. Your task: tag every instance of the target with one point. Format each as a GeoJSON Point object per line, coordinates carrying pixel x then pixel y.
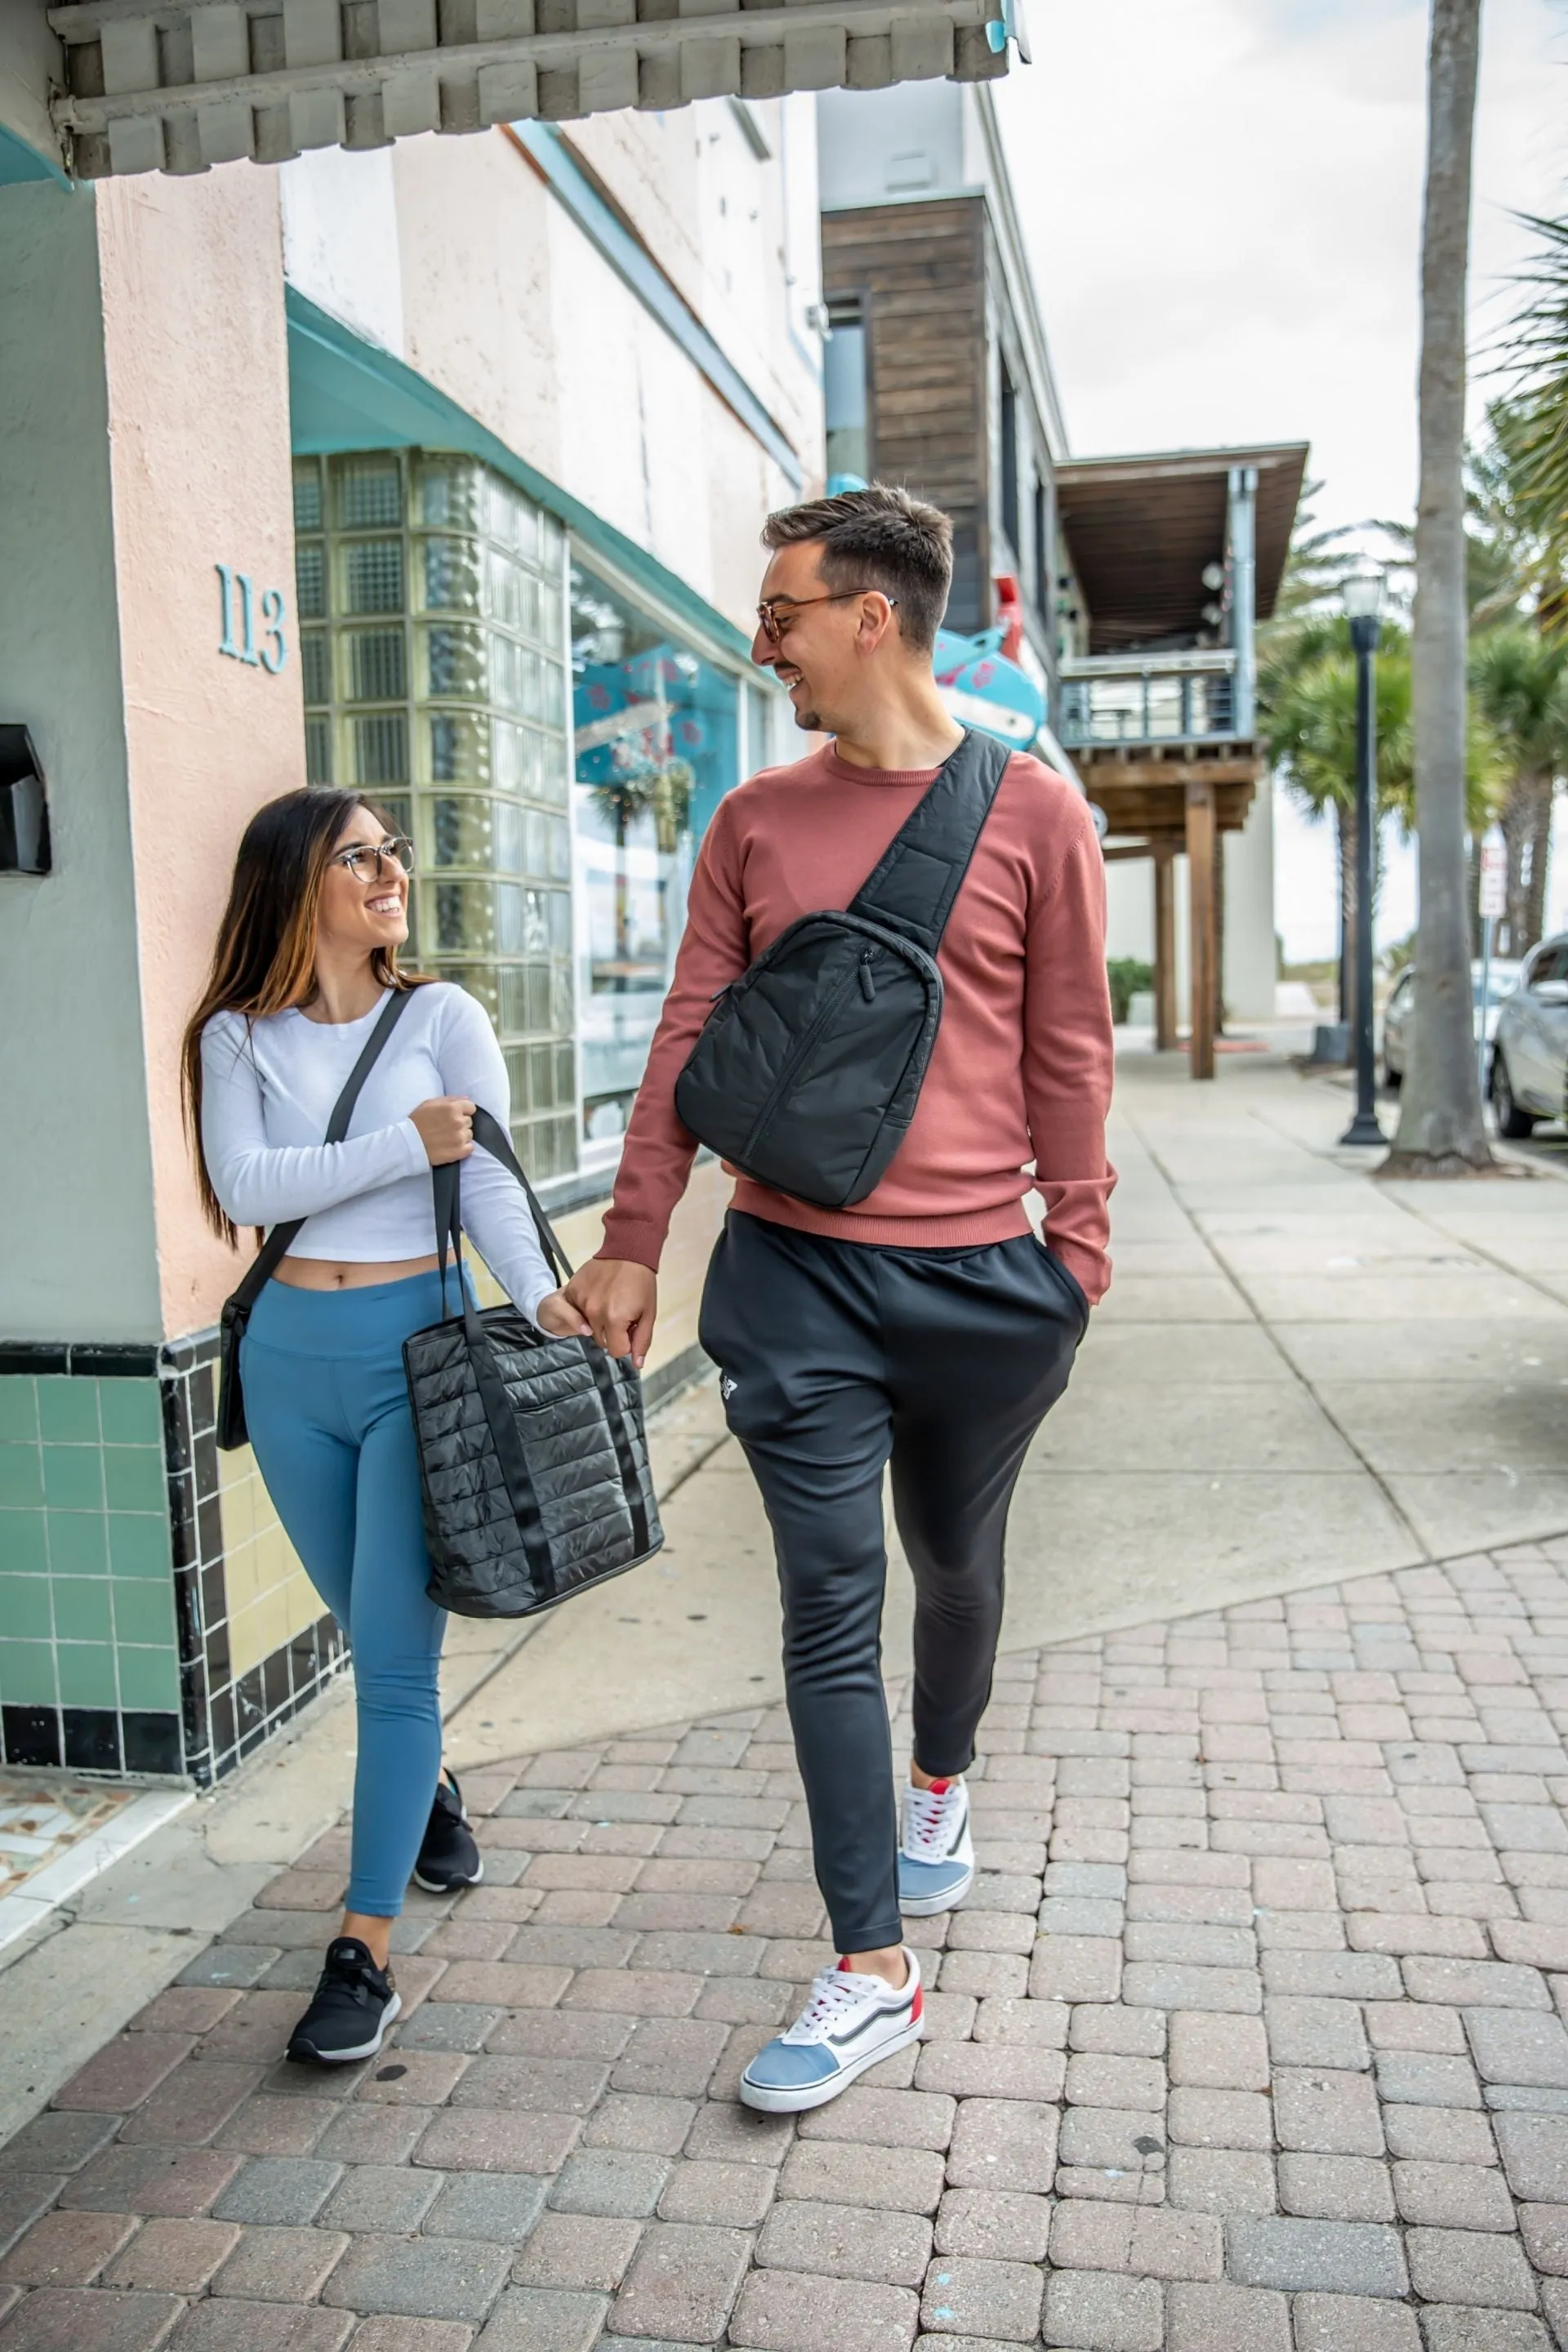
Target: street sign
{"type": "Point", "coordinates": [1494, 875]}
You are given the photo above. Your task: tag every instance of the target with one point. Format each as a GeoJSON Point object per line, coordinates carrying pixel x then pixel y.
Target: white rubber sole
{"type": "Point", "coordinates": [365, 2050]}
{"type": "Point", "coordinates": [450, 1886]}
{"type": "Point", "coordinates": [927, 1906]}
{"type": "Point", "coordinates": [817, 2095]}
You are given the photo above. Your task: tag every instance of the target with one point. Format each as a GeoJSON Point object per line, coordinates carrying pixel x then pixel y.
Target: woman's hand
{"type": "Point", "coordinates": [445, 1124]}
{"type": "Point", "coordinates": [556, 1315]}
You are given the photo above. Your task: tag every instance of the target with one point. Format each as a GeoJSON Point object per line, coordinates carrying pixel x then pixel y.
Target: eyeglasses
{"type": "Point", "coordinates": [366, 859]}
{"type": "Point", "coordinates": [774, 623]}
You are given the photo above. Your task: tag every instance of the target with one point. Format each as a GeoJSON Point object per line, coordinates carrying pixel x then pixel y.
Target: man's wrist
{"type": "Point", "coordinates": [630, 1244]}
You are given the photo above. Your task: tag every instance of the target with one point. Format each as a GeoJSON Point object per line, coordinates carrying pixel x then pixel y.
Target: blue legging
{"type": "Point", "coordinates": [327, 1408]}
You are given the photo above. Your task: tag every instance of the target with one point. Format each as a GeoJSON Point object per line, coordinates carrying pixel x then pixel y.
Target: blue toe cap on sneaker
{"type": "Point", "coordinates": [918, 1881]}
{"type": "Point", "coordinates": [791, 2066]}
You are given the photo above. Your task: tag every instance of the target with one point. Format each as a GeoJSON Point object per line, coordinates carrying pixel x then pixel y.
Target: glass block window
{"type": "Point", "coordinates": [437, 680]}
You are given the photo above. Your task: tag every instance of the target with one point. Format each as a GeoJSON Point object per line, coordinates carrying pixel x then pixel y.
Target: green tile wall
{"type": "Point", "coordinates": [86, 1603]}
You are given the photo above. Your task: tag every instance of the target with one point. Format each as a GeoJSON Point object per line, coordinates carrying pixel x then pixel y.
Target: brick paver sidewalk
{"type": "Point", "coordinates": [1248, 2040]}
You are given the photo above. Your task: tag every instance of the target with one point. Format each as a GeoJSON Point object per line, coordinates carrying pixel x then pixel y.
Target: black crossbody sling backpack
{"type": "Point", "coordinates": [808, 1068]}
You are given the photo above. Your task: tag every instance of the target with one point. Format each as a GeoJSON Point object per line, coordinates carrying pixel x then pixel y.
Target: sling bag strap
{"type": "Point", "coordinates": [914, 883]}
{"type": "Point", "coordinates": [281, 1240]}
{"type": "Point", "coordinates": [509, 1453]}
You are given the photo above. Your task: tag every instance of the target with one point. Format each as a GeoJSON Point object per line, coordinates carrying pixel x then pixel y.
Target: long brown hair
{"type": "Point", "coordinates": [265, 959]}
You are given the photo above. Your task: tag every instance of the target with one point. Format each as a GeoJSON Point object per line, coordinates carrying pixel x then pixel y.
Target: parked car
{"type": "Point", "coordinates": [1502, 978]}
{"type": "Point", "coordinates": [1529, 1059]}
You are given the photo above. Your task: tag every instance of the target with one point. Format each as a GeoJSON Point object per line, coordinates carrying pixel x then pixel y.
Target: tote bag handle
{"type": "Point", "coordinates": [509, 1453]}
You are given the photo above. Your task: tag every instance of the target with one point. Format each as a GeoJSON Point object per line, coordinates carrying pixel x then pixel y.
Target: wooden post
{"type": "Point", "coordinates": [1202, 944]}
{"type": "Point", "coordinates": [1219, 933]}
{"type": "Point", "coordinates": [1165, 947]}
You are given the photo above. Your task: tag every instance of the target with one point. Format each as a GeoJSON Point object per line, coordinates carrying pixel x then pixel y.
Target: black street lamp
{"type": "Point", "coordinates": [1363, 605]}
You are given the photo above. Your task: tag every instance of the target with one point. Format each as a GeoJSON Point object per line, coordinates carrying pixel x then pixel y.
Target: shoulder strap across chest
{"type": "Point", "coordinates": [913, 885]}
{"type": "Point", "coordinates": [279, 1242]}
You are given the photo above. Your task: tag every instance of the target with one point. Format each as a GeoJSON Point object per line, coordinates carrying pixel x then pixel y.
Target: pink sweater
{"type": "Point", "coordinates": [1022, 1067]}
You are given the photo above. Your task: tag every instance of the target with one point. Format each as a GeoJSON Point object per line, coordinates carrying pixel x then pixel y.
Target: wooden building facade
{"type": "Point", "coordinates": [938, 349]}
{"type": "Point", "coordinates": [922, 282]}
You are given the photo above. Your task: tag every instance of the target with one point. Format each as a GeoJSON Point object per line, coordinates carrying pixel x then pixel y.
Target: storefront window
{"type": "Point", "coordinates": [429, 592]}
{"type": "Point", "coordinates": [655, 730]}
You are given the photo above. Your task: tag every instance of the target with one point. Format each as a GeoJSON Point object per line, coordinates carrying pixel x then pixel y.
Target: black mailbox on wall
{"type": "Point", "coordinates": [24, 809]}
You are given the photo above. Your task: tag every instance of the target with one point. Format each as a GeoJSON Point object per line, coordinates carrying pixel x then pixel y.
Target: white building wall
{"type": "Point", "coordinates": [1251, 964]}
{"type": "Point", "coordinates": [720, 193]}
{"type": "Point", "coordinates": [455, 256]}
{"type": "Point", "coordinates": [1250, 951]}
{"type": "Point", "coordinates": [876, 145]}
{"type": "Point", "coordinates": [339, 239]}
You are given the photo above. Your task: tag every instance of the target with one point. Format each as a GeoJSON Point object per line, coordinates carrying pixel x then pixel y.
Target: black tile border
{"type": "Point", "coordinates": [91, 1360]}
{"type": "Point", "coordinates": [151, 1743]}
{"type": "Point", "coordinates": [31, 1735]}
{"type": "Point", "coordinates": [222, 1721]}
{"type": "Point", "coordinates": [92, 1739]}
{"type": "Point", "coordinates": [20, 1356]}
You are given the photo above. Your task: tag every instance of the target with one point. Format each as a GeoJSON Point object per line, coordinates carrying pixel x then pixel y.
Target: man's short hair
{"type": "Point", "coordinates": [881, 538]}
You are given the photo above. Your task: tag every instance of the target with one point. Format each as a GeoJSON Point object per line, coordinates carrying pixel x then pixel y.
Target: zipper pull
{"type": "Point", "coordinates": [868, 985]}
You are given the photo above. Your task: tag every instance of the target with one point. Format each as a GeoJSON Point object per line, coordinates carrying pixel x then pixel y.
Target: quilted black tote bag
{"type": "Point", "coordinates": [534, 1461]}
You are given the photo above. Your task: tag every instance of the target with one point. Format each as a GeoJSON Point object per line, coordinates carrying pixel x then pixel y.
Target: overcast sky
{"type": "Point", "coordinates": [1223, 203]}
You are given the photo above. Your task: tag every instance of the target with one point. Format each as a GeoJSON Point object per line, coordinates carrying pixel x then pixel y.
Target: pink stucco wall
{"type": "Point", "coordinates": [196, 362]}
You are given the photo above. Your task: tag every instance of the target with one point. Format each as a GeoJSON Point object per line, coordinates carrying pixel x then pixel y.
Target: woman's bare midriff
{"type": "Point", "coordinates": [346, 1274]}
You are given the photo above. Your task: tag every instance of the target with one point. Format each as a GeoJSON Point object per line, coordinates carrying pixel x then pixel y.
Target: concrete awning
{"type": "Point", "coordinates": [156, 88]}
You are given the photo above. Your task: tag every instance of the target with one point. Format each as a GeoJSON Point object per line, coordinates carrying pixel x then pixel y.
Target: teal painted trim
{"type": "Point", "coordinates": [20, 163]}
{"type": "Point", "coordinates": [348, 394]}
{"type": "Point", "coordinates": [636, 266]}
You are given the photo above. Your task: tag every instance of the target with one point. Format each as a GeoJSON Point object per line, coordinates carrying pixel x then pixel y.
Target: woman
{"type": "Point", "coordinates": [306, 957]}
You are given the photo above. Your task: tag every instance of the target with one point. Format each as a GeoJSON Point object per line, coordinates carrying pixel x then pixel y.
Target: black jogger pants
{"type": "Point", "coordinates": [836, 1356]}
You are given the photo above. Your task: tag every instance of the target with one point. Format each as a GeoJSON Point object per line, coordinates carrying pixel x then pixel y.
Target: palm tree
{"type": "Point", "coordinates": [1532, 426]}
{"type": "Point", "coordinates": [1305, 624]}
{"type": "Point", "coordinates": [1501, 551]}
{"type": "Point", "coordinates": [1519, 681]}
{"type": "Point", "coordinates": [1310, 727]}
{"type": "Point", "coordinates": [1309, 723]}
{"type": "Point", "coordinates": [1441, 1129]}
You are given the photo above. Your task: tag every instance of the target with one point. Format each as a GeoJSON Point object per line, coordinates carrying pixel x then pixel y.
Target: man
{"type": "Point", "coordinates": [924, 1326]}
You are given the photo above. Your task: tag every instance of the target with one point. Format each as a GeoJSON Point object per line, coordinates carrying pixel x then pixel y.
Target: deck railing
{"type": "Point", "coordinates": [1149, 699]}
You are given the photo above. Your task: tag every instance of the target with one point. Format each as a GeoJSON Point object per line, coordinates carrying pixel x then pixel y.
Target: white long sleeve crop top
{"type": "Point", "coordinates": [268, 1090]}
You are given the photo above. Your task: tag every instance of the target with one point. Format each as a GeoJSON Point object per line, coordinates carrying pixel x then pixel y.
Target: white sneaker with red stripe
{"type": "Point", "coordinates": [847, 2024]}
{"type": "Point", "coordinates": [936, 1852]}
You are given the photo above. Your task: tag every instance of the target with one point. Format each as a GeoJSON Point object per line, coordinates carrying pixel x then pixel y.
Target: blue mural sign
{"type": "Point", "coordinates": [982, 688]}
{"type": "Point", "coordinates": [237, 590]}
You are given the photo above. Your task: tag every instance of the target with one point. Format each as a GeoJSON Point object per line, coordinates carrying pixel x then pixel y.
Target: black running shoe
{"type": "Point", "coordinates": [355, 2002]}
{"type": "Point", "coordinates": [449, 1858]}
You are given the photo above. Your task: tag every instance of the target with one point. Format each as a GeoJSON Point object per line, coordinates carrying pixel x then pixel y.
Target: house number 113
{"type": "Point", "coordinates": [238, 590]}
